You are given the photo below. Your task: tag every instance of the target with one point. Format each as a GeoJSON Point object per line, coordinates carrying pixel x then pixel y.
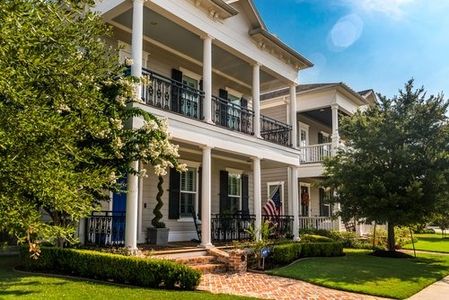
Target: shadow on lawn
{"type": "Point", "coordinates": [361, 268]}
{"type": "Point", "coordinates": [14, 283]}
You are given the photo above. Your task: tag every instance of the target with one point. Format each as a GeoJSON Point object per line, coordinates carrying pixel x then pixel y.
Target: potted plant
{"type": "Point", "coordinates": [158, 234]}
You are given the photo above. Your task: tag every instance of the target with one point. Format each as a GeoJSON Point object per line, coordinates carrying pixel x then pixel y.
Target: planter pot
{"type": "Point", "coordinates": [157, 236]}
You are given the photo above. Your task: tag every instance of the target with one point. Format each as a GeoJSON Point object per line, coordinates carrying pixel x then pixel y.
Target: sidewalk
{"type": "Point", "coordinates": [437, 291]}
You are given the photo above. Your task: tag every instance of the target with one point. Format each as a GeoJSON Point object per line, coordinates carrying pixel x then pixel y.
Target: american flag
{"type": "Point", "coordinates": [273, 207]}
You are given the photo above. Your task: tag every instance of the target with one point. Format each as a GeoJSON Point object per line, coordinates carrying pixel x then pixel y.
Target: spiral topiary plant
{"type": "Point", "coordinates": [156, 221]}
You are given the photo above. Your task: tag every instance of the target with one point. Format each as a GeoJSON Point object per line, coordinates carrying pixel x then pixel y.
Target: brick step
{"type": "Point", "coordinates": [198, 260]}
{"type": "Point", "coordinates": [210, 268]}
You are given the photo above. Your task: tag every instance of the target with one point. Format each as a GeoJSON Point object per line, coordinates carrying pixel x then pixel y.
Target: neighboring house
{"type": "Point", "coordinates": [318, 109]}
{"type": "Point", "coordinates": [207, 63]}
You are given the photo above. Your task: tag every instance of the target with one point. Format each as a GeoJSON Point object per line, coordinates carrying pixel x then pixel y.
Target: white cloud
{"type": "Point", "coordinates": [393, 8]}
{"type": "Point", "coordinates": [345, 32]}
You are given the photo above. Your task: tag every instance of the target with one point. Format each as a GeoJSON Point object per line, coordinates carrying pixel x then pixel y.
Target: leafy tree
{"type": "Point", "coordinates": [395, 167]}
{"type": "Point", "coordinates": [65, 108]}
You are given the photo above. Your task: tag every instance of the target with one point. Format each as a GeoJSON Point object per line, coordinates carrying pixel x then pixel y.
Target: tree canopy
{"type": "Point", "coordinates": [394, 167]}
{"type": "Point", "coordinates": [65, 107]}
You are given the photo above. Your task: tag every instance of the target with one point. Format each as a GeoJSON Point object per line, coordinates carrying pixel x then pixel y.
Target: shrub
{"type": "Point", "coordinates": [311, 238]}
{"type": "Point", "coordinates": [425, 231]}
{"type": "Point", "coordinates": [121, 269]}
{"type": "Point", "coordinates": [286, 253]}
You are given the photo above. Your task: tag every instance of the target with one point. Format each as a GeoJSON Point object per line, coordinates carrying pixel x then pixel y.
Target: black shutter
{"type": "Point", "coordinates": [244, 102]}
{"type": "Point", "coordinates": [245, 195]}
{"type": "Point", "coordinates": [223, 94]}
{"type": "Point", "coordinates": [200, 188]}
{"type": "Point", "coordinates": [320, 138]}
{"type": "Point", "coordinates": [174, 194]}
{"type": "Point", "coordinates": [225, 205]}
{"type": "Point", "coordinates": [176, 90]}
{"type": "Point", "coordinates": [324, 209]}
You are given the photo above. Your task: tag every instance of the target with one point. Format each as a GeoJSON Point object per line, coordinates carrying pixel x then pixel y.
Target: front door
{"type": "Point", "coordinates": [118, 215]}
{"type": "Point", "coordinates": [305, 200]}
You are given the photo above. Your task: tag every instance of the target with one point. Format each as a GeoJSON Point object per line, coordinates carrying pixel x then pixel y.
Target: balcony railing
{"type": "Point", "coordinates": [275, 131]}
{"type": "Point", "coordinates": [326, 223]}
{"type": "Point", "coordinates": [315, 153]}
{"type": "Point", "coordinates": [232, 116]}
{"type": "Point", "coordinates": [174, 96]}
{"type": "Point", "coordinates": [171, 95]}
{"type": "Point", "coordinates": [106, 228]}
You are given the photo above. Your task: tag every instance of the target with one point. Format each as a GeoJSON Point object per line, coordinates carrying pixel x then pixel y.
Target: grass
{"type": "Point", "coordinates": [363, 273]}
{"type": "Point", "coordinates": [430, 242]}
{"type": "Point", "coordinates": [14, 285]}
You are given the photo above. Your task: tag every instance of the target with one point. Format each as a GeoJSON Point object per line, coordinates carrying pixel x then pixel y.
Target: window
{"type": "Point", "coordinates": [325, 207]}
{"type": "Point", "coordinates": [276, 190]}
{"type": "Point", "coordinates": [234, 114]}
{"type": "Point", "coordinates": [189, 104]}
{"type": "Point", "coordinates": [188, 192]}
{"type": "Point", "coordinates": [234, 191]}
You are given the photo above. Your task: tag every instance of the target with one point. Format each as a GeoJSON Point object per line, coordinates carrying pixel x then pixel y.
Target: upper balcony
{"type": "Point", "coordinates": [177, 97]}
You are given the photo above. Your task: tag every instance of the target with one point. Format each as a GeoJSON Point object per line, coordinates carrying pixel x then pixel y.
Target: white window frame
{"type": "Point", "coordinates": [305, 127]}
{"type": "Point", "coordinates": [281, 183]}
{"type": "Point", "coordinates": [325, 204]}
{"type": "Point", "coordinates": [190, 74]}
{"type": "Point", "coordinates": [195, 165]}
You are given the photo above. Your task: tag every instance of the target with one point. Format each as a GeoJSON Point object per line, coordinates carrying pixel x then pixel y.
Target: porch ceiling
{"type": "Point", "coordinates": [323, 115]}
{"type": "Point", "coordinates": [176, 37]}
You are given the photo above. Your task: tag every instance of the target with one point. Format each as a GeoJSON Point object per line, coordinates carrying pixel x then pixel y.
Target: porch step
{"type": "Point", "coordinates": [198, 260]}
{"type": "Point", "coordinates": [210, 268]}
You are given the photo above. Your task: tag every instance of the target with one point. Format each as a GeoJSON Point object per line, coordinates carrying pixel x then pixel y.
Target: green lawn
{"type": "Point", "coordinates": [430, 242]}
{"type": "Point", "coordinates": [14, 285]}
{"type": "Point", "coordinates": [363, 273]}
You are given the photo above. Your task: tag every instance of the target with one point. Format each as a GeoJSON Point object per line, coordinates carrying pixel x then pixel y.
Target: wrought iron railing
{"type": "Point", "coordinates": [106, 228]}
{"type": "Point", "coordinates": [230, 227]}
{"type": "Point", "coordinates": [275, 131]}
{"type": "Point", "coordinates": [315, 153]}
{"type": "Point", "coordinates": [281, 226]}
{"type": "Point", "coordinates": [171, 95]}
{"type": "Point", "coordinates": [232, 116]}
{"type": "Point", "coordinates": [326, 223]}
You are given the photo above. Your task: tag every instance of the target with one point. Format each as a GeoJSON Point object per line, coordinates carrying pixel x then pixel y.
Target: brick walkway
{"type": "Point", "coordinates": [271, 287]}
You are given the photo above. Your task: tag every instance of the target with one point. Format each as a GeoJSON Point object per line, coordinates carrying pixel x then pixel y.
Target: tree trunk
{"type": "Point", "coordinates": [391, 239]}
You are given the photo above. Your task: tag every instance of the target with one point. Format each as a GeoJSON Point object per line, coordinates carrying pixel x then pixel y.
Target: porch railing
{"type": "Point", "coordinates": [275, 131]}
{"type": "Point", "coordinates": [171, 95]}
{"type": "Point", "coordinates": [229, 227]}
{"type": "Point", "coordinates": [232, 116]}
{"type": "Point", "coordinates": [106, 228]}
{"type": "Point", "coordinates": [281, 226]}
{"type": "Point", "coordinates": [315, 153]}
{"type": "Point", "coordinates": [326, 223]}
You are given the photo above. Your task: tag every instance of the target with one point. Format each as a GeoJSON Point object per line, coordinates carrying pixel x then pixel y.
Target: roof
{"type": "Point", "coordinates": [260, 32]}
{"type": "Point", "coordinates": [311, 87]}
{"type": "Point", "coordinates": [365, 93]}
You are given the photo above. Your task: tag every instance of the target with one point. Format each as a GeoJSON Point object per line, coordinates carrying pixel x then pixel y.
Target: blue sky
{"type": "Point", "coordinates": [377, 44]}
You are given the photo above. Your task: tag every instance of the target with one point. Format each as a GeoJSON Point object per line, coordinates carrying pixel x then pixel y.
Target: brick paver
{"type": "Point", "coordinates": [264, 286]}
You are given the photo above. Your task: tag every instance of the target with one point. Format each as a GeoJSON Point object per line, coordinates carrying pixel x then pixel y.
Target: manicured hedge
{"type": "Point", "coordinates": [143, 272]}
{"type": "Point", "coordinates": [286, 253]}
{"type": "Point", "coordinates": [313, 238]}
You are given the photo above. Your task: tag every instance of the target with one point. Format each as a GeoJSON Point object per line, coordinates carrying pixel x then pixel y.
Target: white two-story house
{"type": "Point", "coordinates": [208, 62]}
{"type": "Point", "coordinates": [318, 109]}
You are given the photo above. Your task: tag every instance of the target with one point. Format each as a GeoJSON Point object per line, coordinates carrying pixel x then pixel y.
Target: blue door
{"type": "Point", "coordinates": [118, 215]}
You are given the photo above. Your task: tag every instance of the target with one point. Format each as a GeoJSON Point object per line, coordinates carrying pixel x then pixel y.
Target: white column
{"type": "Point", "coordinates": [132, 196]}
{"type": "Point", "coordinates": [137, 43]}
{"type": "Point", "coordinates": [207, 78]}
{"type": "Point", "coordinates": [293, 121]}
{"type": "Point", "coordinates": [256, 99]}
{"type": "Point", "coordinates": [294, 190]}
{"type": "Point", "coordinates": [335, 135]}
{"type": "Point", "coordinates": [132, 201]}
{"type": "Point", "coordinates": [257, 192]}
{"type": "Point", "coordinates": [290, 192]}
{"type": "Point", "coordinates": [206, 198]}
{"type": "Point", "coordinates": [82, 231]}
